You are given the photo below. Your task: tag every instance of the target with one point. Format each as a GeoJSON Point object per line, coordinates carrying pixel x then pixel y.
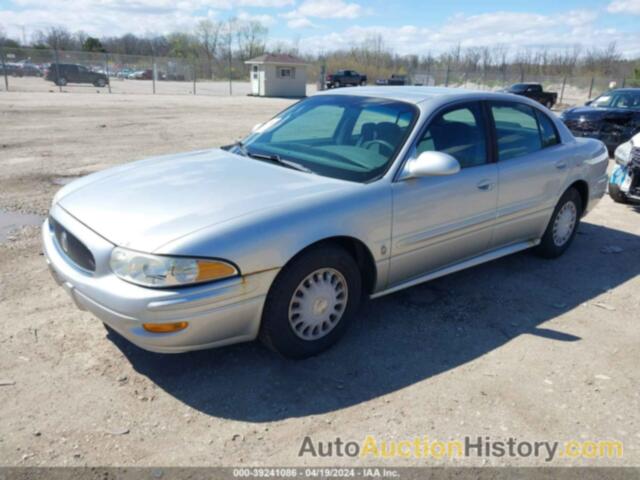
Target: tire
{"type": "Point", "coordinates": [61, 82]}
{"type": "Point", "coordinates": [100, 83]}
{"type": "Point", "coordinates": [552, 245]}
{"type": "Point", "coordinates": [548, 104]}
{"type": "Point", "coordinates": [617, 195]}
{"type": "Point", "coordinates": [363, 83]}
{"type": "Point", "coordinates": [318, 273]}
{"type": "Point", "coordinates": [337, 85]}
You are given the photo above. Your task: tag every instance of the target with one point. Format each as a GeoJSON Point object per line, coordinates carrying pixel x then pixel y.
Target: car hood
{"type": "Point", "coordinates": [596, 114]}
{"type": "Point", "coordinates": [147, 204]}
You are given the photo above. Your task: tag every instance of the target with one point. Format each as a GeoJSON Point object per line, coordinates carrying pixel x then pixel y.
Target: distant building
{"type": "Point", "coordinates": [278, 76]}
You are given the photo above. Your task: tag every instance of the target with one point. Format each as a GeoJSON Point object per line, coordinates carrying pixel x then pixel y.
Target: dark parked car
{"type": "Point", "coordinates": [30, 70]}
{"type": "Point", "coordinates": [343, 78]}
{"type": "Point", "coordinates": [394, 80]}
{"type": "Point", "coordinates": [63, 73]}
{"type": "Point", "coordinates": [535, 92]}
{"type": "Point", "coordinates": [613, 117]}
{"type": "Point", "coordinates": [12, 69]}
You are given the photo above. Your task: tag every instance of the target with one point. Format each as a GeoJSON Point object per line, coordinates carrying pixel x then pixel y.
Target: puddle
{"type": "Point", "coordinates": [64, 180]}
{"type": "Point", "coordinates": [10, 221]}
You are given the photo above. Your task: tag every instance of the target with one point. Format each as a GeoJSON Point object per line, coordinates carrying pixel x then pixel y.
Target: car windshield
{"type": "Point", "coordinates": [629, 100]}
{"type": "Point", "coordinates": [518, 87]}
{"type": "Point", "coordinates": [341, 136]}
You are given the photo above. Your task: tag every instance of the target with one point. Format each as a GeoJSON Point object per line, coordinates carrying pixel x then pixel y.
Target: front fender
{"type": "Point", "coordinates": [268, 240]}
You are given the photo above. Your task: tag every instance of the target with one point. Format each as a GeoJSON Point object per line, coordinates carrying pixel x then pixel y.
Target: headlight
{"type": "Point", "coordinates": [161, 271]}
{"type": "Point", "coordinates": [623, 154]}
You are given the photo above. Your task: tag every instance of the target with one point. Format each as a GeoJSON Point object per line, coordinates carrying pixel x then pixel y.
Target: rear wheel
{"type": "Point", "coordinates": [548, 104]}
{"type": "Point", "coordinates": [311, 302]}
{"type": "Point", "coordinates": [337, 84]}
{"type": "Point", "coordinates": [100, 82]}
{"type": "Point", "coordinates": [563, 225]}
{"type": "Point", "coordinates": [61, 81]}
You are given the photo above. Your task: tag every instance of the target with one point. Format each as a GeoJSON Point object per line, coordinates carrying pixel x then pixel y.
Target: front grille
{"type": "Point", "coordinates": [583, 127]}
{"type": "Point", "coordinates": [73, 248]}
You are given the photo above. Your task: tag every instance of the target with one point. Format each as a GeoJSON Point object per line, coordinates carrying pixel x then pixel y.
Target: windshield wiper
{"type": "Point", "coordinates": [244, 151]}
{"type": "Point", "coordinates": [277, 159]}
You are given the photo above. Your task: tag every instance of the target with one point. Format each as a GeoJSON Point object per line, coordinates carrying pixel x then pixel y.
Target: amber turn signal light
{"type": "Point", "coordinates": [165, 327]}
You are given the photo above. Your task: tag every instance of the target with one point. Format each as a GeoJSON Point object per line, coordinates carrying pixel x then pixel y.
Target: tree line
{"type": "Point", "coordinates": [220, 48]}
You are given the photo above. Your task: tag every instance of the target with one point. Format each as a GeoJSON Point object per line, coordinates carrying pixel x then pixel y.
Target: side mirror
{"type": "Point", "coordinates": [431, 164]}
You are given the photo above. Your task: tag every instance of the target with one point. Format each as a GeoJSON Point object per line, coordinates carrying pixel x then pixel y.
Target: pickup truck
{"type": "Point", "coordinates": [535, 92]}
{"type": "Point", "coordinates": [344, 78]}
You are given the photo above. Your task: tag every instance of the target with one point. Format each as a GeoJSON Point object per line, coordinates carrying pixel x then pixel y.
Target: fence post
{"type": "Point", "coordinates": [230, 69]}
{"type": "Point", "coordinates": [194, 78]}
{"type": "Point", "coordinates": [106, 68]}
{"type": "Point", "coordinates": [58, 69]}
{"type": "Point", "coordinates": [446, 77]}
{"type": "Point", "coordinates": [591, 88]}
{"type": "Point", "coordinates": [4, 70]}
{"type": "Point", "coordinates": [564, 82]}
{"type": "Point", "coordinates": [153, 73]}
{"type": "Point", "coordinates": [624, 82]}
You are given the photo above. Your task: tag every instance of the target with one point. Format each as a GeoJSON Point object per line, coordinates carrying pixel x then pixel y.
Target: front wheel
{"type": "Point", "coordinates": [311, 302]}
{"type": "Point", "coordinates": [563, 225]}
{"type": "Point", "coordinates": [101, 82]}
{"type": "Point", "coordinates": [616, 194]}
{"type": "Point", "coordinates": [61, 82]}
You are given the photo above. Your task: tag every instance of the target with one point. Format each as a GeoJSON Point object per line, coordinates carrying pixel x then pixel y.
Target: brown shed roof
{"type": "Point", "coordinates": [281, 59]}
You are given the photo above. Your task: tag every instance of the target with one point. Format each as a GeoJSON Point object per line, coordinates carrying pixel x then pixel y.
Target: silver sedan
{"type": "Point", "coordinates": [345, 195]}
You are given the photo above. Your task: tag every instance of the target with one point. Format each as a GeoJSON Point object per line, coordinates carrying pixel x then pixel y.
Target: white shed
{"type": "Point", "coordinates": [278, 76]}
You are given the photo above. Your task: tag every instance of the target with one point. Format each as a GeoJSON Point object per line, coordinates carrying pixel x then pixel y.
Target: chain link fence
{"type": "Point", "coordinates": [40, 70]}
{"type": "Point", "coordinates": [37, 70]}
{"type": "Point", "coordinates": [572, 90]}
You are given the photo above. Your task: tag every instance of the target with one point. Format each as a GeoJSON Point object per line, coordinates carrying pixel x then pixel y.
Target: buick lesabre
{"type": "Point", "coordinates": [345, 195]}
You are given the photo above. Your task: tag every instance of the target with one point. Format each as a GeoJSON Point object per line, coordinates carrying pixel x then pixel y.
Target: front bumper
{"type": "Point", "coordinates": [219, 313]}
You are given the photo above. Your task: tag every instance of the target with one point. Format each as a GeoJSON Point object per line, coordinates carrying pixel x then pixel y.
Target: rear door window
{"type": "Point", "coordinates": [517, 131]}
{"type": "Point", "coordinates": [548, 131]}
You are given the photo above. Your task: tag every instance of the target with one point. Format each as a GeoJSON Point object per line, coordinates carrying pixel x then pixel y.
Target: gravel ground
{"type": "Point", "coordinates": [520, 347]}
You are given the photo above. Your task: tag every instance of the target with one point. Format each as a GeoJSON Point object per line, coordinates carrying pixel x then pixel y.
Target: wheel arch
{"type": "Point", "coordinates": [360, 253]}
{"type": "Point", "coordinates": [582, 187]}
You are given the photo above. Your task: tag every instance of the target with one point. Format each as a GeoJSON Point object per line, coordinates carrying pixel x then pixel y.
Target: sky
{"type": "Point", "coordinates": [408, 27]}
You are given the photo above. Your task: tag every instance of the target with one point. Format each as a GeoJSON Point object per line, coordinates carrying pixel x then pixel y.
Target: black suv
{"type": "Point", "coordinates": [63, 73]}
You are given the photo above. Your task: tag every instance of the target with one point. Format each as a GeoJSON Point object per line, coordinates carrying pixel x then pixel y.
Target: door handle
{"type": "Point", "coordinates": [561, 165]}
{"type": "Point", "coordinates": [485, 185]}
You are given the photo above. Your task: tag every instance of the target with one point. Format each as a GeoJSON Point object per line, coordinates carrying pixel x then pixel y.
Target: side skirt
{"type": "Point", "coordinates": [472, 262]}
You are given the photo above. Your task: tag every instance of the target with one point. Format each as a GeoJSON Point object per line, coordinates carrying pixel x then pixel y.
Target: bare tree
{"type": "Point", "coordinates": [58, 38]}
{"type": "Point", "coordinates": [251, 37]}
{"type": "Point", "coordinates": [208, 35]}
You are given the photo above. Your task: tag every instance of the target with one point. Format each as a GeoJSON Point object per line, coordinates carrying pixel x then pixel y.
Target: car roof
{"type": "Point", "coordinates": [417, 95]}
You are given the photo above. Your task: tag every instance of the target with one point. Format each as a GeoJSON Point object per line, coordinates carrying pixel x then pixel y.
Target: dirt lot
{"type": "Point", "coordinates": [522, 347]}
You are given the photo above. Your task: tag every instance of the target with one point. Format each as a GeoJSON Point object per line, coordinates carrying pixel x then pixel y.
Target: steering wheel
{"type": "Point", "coordinates": [369, 143]}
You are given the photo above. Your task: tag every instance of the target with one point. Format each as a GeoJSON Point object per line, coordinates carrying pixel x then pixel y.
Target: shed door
{"type": "Point", "coordinates": [255, 80]}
